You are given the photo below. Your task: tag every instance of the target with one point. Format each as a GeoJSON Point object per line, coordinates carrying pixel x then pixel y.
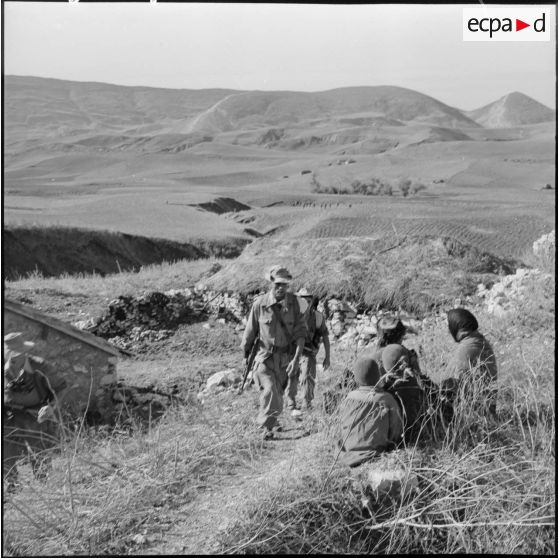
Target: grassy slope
{"type": "Point", "coordinates": [166, 488]}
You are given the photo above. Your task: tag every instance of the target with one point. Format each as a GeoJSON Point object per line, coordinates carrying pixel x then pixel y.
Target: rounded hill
{"type": "Point", "coordinates": [257, 109]}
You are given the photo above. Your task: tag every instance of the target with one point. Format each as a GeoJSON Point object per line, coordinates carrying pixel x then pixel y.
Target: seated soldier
{"type": "Point", "coordinates": [30, 386]}
{"type": "Point", "coordinates": [473, 371]}
{"type": "Point", "coordinates": [391, 331]}
{"type": "Point", "coordinates": [401, 381]}
{"type": "Point", "coordinates": [370, 418]}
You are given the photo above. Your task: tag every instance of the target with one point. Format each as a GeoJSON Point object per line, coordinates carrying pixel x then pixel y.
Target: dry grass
{"type": "Point", "coordinates": [390, 271]}
{"type": "Point", "coordinates": [106, 488]}
{"type": "Point", "coordinates": [483, 486]}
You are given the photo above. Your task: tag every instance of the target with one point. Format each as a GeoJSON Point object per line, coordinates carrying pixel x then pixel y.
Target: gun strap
{"type": "Point", "coordinates": [277, 314]}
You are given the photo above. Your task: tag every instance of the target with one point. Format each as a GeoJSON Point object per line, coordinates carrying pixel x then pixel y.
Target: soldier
{"type": "Point", "coordinates": [276, 322]}
{"type": "Point", "coordinates": [30, 386]}
{"type": "Point", "coordinates": [316, 332]}
{"type": "Point", "coordinates": [391, 330]}
{"type": "Point", "coordinates": [370, 419]}
{"type": "Point", "coordinates": [473, 369]}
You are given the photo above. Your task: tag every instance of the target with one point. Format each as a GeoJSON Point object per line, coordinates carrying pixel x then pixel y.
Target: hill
{"type": "Point", "coordinates": [514, 109]}
{"type": "Point", "coordinates": [255, 109]}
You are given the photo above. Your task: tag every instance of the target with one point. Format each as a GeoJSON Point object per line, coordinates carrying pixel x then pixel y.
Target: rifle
{"type": "Point", "coordinates": [249, 363]}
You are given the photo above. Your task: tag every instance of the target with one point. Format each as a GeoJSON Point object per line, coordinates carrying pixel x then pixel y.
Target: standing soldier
{"type": "Point", "coordinates": [316, 332]}
{"type": "Point", "coordinates": [276, 322]}
{"type": "Point", "coordinates": [30, 386]}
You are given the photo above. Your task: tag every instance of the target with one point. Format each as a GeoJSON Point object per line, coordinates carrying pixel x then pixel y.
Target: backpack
{"type": "Point", "coordinates": [314, 321]}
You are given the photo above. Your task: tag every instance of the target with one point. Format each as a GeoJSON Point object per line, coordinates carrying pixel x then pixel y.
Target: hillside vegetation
{"type": "Point", "coordinates": [414, 273]}
{"type": "Point", "coordinates": [201, 480]}
{"type": "Point", "coordinates": [53, 251]}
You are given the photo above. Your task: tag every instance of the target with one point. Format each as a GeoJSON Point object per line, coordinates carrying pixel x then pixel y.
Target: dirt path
{"type": "Point", "coordinates": [199, 523]}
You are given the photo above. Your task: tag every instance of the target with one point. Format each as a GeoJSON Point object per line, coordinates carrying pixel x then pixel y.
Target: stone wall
{"type": "Point", "coordinates": [89, 372]}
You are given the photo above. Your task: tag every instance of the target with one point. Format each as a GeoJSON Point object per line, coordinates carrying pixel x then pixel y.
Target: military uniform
{"type": "Point", "coordinates": [276, 348]}
{"type": "Point", "coordinates": [371, 423]}
{"type": "Point", "coordinates": [306, 374]}
{"type": "Point", "coordinates": [29, 384]}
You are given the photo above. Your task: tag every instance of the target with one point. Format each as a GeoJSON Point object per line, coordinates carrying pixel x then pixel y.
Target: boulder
{"type": "Point", "coordinates": [225, 378]}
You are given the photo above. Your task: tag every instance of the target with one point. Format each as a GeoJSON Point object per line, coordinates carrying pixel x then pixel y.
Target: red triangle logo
{"type": "Point", "coordinates": [519, 25]}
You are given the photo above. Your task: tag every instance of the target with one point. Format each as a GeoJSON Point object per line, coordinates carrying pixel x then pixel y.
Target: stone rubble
{"type": "Point", "coordinates": [504, 295]}
{"type": "Point", "coordinates": [220, 381]}
{"type": "Point", "coordinates": [545, 246]}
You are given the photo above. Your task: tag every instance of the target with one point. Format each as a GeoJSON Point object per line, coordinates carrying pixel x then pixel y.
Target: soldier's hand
{"type": "Point", "coordinates": [326, 364]}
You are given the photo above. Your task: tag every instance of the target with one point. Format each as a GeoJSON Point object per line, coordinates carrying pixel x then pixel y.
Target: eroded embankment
{"type": "Point", "coordinates": [53, 251]}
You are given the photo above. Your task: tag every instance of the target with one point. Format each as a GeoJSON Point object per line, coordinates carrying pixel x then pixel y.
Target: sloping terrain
{"type": "Point", "coordinates": [514, 109]}
{"type": "Point", "coordinates": [356, 104]}
{"type": "Point", "coordinates": [385, 271]}
{"type": "Point", "coordinates": [54, 251]}
{"type": "Point", "coordinates": [143, 161]}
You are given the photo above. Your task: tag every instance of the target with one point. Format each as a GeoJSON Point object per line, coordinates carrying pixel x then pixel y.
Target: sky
{"type": "Point", "coordinates": [274, 47]}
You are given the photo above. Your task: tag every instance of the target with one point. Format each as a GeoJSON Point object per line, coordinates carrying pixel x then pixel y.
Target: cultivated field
{"type": "Point", "coordinates": [141, 173]}
{"type": "Point", "coordinates": [107, 160]}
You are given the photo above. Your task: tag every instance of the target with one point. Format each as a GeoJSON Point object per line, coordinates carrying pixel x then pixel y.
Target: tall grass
{"type": "Point", "coordinates": [156, 277]}
{"type": "Point", "coordinates": [483, 485]}
{"type": "Point", "coordinates": [416, 274]}
{"type": "Point", "coordinates": [106, 488]}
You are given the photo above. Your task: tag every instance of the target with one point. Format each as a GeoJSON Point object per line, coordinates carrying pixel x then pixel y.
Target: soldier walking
{"type": "Point", "coordinates": [316, 332]}
{"type": "Point", "coordinates": [277, 325]}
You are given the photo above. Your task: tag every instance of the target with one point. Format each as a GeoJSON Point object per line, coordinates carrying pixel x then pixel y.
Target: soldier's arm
{"type": "Point", "coordinates": [300, 329]}
{"type": "Point", "coordinates": [251, 331]}
{"type": "Point", "coordinates": [299, 335]}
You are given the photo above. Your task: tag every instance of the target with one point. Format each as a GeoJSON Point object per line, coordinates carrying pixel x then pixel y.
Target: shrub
{"type": "Point", "coordinates": [417, 187]}
{"type": "Point", "coordinates": [404, 186]}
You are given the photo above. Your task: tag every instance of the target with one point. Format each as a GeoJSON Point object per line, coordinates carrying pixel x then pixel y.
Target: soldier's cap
{"type": "Point", "coordinates": [366, 371]}
{"type": "Point", "coordinates": [15, 343]}
{"type": "Point", "coordinates": [395, 358]}
{"type": "Point", "coordinates": [279, 274]}
{"type": "Point", "coordinates": [388, 323]}
{"type": "Point", "coordinates": [304, 292]}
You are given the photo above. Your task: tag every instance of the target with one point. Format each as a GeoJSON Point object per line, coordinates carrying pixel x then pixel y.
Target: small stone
{"type": "Point", "coordinates": [139, 539]}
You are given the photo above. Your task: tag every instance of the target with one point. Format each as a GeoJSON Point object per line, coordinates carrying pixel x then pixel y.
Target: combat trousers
{"type": "Point", "coordinates": [306, 375]}
{"type": "Point", "coordinates": [271, 378]}
{"type": "Point", "coordinates": [23, 436]}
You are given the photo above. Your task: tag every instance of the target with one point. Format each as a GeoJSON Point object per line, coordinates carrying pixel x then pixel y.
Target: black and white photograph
{"type": "Point", "coordinates": [278, 278]}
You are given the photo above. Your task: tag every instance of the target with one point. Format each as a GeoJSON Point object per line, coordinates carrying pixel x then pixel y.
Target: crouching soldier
{"type": "Point", "coordinates": [277, 325]}
{"type": "Point", "coordinates": [370, 418]}
{"type": "Point", "coordinates": [316, 332]}
{"type": "Point", "coordinates": [30, 388]}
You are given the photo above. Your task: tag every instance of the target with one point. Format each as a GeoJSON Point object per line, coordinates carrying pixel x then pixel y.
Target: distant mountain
{"type": "Point", "coordinates": [41, 107]}
{"type": "Point", "coordinates": [259, 109]}
{"type": "Point", "coordinates": [59, 106]}
{"type": "Point", "coordinates": [514, 109]}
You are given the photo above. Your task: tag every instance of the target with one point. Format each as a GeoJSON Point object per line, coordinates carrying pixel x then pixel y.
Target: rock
{"type": "Point", "coordinates": [139, 539]}
{"type": "Point", "coordinates": [225, 378]}
{"type": "Point", "coordinates": [107, 380]}
{"type": "Point", "coordinates": [370, 331]}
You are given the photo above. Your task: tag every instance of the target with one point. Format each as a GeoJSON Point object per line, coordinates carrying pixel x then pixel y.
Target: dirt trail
{"type": "Point", "coordinates": [199, 523]}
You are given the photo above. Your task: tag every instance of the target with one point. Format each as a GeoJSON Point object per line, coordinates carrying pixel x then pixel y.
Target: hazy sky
{"type": "Point", "coordinates": [272, 47]}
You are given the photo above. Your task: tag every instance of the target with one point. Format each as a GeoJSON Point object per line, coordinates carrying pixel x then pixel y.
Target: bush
{"type": "Point", "coordinates": [417, 187]}
{"type": "Point", "coordinates": [404, 186]}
